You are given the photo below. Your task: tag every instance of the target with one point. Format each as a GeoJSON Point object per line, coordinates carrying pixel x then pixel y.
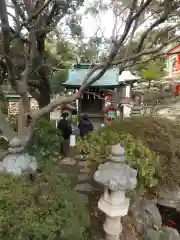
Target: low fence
{"type": "Point", "coordinates": [150, 110]}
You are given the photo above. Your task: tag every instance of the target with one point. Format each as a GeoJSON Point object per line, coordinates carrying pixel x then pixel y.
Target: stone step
{"type": "Point", "coordinates": [84, 177]}
{"type": "Point", "coordinates": [85, 187]}
{"type": "Point", "coordinates": [83, 197]}
{"type": "Point", "coordinates": [85, 170]}
{"type": "Point", "coordinates": [82, 157]}
{"type": "Point", "coordinates": [79, 157]}
{"type": "Point", "coordinates": [84, 164]}
{"type": "Point", "coordinates": [68, 161]}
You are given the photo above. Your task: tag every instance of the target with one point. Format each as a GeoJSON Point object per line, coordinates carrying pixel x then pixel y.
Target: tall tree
{"type": "Point", "coordinates": [89, 52]}
{"type": "Point", "coordinates": [62, 53]}
{"type": "Point", "coordinates": [152, 71]}
{"type": "Point", "coordinates": [38, 17]}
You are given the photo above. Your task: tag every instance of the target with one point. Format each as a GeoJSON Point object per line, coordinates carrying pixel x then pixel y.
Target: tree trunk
{"type": "Point", "coordinates": [44, 100]}
{"type": "Point", "coordinates": [21, 119]}
{"type": "Point", "coordinates": [45, 90]}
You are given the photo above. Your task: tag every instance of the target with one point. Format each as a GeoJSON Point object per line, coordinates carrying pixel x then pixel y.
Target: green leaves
{"type": "Point", "coordinates": [46, 142]}
{"type": "Point", "coordinates": [138, 156]}
{"type": "Point", "coordinates": [58, 78]}
{"type": "Point", "coordinates": [47, 209]}
{"type": "Point", "coordinates": [153, 70]}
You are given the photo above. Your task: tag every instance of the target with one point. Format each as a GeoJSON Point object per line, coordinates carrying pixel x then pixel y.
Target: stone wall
{"type": "Point", "coordinates": [13, 108]}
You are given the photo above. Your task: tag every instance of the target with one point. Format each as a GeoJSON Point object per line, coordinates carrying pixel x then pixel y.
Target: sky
{"type": "Point", "coordinates": [105, 21]}
{"type": "Point", "coordinates": [89, 23]}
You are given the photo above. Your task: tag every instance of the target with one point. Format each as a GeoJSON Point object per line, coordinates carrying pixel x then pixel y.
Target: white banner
{"type": "Point", "coordinates": [72, 140]}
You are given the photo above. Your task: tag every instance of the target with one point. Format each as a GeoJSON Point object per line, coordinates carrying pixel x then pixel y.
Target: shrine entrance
{"type": "Point", "coordinates": [92, 100]}
{"type": "Point", "coordinates": [90, 104]}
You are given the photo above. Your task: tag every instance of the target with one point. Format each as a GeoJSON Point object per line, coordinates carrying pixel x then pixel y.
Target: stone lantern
{"type": "Point", "coordinates": [116, 177]}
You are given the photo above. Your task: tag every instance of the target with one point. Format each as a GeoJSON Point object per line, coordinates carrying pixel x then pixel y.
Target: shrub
{"type": "Point", "coordinates": [46, 141]}
{"type": "Point", "coordinates": [149, 143]}
{"type": "Point", "coordinates": [75, 118]}
{"type": "Point", "coordinates": [46, 209]}
{"type": "Point", "coordinates": [137, 155]}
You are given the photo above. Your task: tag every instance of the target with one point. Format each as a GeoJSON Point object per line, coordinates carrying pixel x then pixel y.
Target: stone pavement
{"type": "Point", "coordinates": [79, 170]}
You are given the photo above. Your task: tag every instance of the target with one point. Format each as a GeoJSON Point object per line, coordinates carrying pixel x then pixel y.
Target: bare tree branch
{"type": "Point", "coordinates": [141, 9]}
{"type": "Point", "coordinates": [13, 17]}
{"type": "Point", "coordinates": [38, 12]}
{"type": "Point", "coordinates": [102, 68]}
{"type": "Point", "coordinates": [15, 34]}
{"type": "Point", "coordinates": [19, 10]}
{"type": "Point", "coordinates": [6, 42]}
{"type": "Point", "coordinates": [31, 17]}
{"type": "Point", "coordinates": [161, 32]}
{"type": "Point", "coordinates": [132, 34]}
{"type": "Point", "coordinates": [147, 51]}
{"type": "Point", "coordinates": [148, 30]}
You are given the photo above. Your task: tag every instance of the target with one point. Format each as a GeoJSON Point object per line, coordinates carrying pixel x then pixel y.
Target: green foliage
{"type": "Point", "coordinates": [137, 155]}
{"type": "Point", "coordinates": [75, 118]}
{"type": "Point", "coordinates": [87, 52]}
{"type": "Point", "coordinates": [58, 78]}
{"type": "Point", "coordinates": [97, 7]}
{"type": "Point", "coordinates": [45, 209]}
{"type": "Point", "coordinates": [96, 144]}
{"type": "Point", "coordinates": [141, 158]}
{"type": "Point", "coordinates": [152, 147]}
{"type": "Point", "coordinates": [61, 52]}
{"type": "Point", "coordinates": [153, 70]}
{"type": "Point", "coordinates": [46, 142]}
{"type": "Point", "coordinates": [62, 56]}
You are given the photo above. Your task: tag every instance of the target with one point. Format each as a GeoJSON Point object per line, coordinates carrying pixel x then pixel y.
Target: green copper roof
{"type": "Point", "coordinates": [77, 75]}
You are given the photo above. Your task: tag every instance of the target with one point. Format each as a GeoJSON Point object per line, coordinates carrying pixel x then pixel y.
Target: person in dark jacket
{"type": "Point", "coordinates": [66, 130]}
{"type": "Point", "coordinates": [85, 126]}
